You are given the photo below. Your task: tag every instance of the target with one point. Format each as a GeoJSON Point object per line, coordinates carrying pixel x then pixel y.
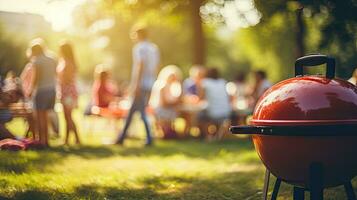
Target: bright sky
{"type": "Point", "coordinates": [57, 12]}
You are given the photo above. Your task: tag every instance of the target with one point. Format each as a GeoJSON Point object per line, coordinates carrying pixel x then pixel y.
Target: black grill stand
{"type": "Point", "coordinates": [316, 170]}
{"type": "Point", "coordinates": [315, 186]}
{"type": "Point", "coordinates": [316, 173]}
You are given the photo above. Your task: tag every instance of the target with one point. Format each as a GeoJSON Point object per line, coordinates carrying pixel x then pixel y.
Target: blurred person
{"type": "Point", "coordinates": [261, 84]}
{"type": "Point", "coordinates": [166, 97]}
{"type": "Point", "coordinates": [11, 82]}
{"type": "Point", "coordinates": [213, 91]}
{"type": "Point", "coordinates": [67, 90]}
{"type": "Point", "coordinates": [13, 87]}
{"type": "Point", "coordinates": [240, 101]}
{"type": "Point", "coordinates": [7, 97]}
{"type": "Point", "coordinates": [146, 59]}
{"type": "Point", "coordinates": [26, 78]}
{"type": "Point", "coordinates": [353, 79]}
{"type": "Point", "coordinates": [241, 86]}
{"type": "Point", "coordinates": [43, 92]}
{"type": "Point", "coordinates": [190, 89]}
{"type": "Point", "coordinates": [190, 84]}
{"type": "Point", "coordinates": [103, 90]}
{"type": "Point", "coordinates": [5, 117]}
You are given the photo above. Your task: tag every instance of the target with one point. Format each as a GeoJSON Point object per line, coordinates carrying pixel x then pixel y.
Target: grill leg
{"type": "Point", "coordinates": [316, 181]}
{"type": "Point", "coordinates": [266, 184]}
{"type": "Point", "coordinates": [299, 193]}
{"type": "Point", "coordinates": [349, 191]}
{"type": "Point", "coordinates": [276, 189]}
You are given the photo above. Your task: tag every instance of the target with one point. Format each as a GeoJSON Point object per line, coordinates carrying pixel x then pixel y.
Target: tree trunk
{"type": "Point", "coordinates": [198, 35]}
{"type": "Point", "coordinates": [300, 31]}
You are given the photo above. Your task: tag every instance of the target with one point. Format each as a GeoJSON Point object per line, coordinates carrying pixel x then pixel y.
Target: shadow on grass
{"type": "Point", "coordinates": [38, 160]}
{"type": "Point", "coordinates": [190, 148]}
{"type": "Point", "coordinates": [21, 162]}
{"type": "Point", "coordinates": [232, 185]}
{"type": "Point", "coordinates": [223, 186]}
{"type": "Point", "coordinates": [237, 185]}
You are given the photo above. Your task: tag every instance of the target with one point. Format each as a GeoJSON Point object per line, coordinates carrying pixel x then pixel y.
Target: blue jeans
{"type": "Point", "coordinates": [139, 104]}
{"type": "Point", "coordinates": [5, 116]}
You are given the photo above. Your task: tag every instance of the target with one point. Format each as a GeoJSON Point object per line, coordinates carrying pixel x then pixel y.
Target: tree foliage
{"type": "Point", "coordinates": [168, 27]}
{"type": "Point", "coordinates": [268, 46]}
{"type": "Point", "coordinates": [330, 27]}
{"type": "Point", "coordinates": [12, 53]}
{"type": "Point", "coordinates": [336, 22]}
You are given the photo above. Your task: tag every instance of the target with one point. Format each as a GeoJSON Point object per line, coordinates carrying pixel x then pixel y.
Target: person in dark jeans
{"type": "Point", "coordinates": [145, 63]}
{"type": "Point", "coordinates": [43, 92]}
{"type": "Point", "coordinates": [5, 114]}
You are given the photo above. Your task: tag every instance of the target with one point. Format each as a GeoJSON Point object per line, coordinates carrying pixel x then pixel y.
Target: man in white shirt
{"type": "Point", "coordinates": [146, 59]}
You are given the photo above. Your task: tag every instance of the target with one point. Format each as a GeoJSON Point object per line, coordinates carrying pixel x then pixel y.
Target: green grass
{"type": "Point", "coordinates": [188, 169]}
{"type": "Point", "coordinates": [169, 170]}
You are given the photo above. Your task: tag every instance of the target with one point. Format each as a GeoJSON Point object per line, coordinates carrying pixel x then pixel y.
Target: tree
{"type": "Point", "coordinates": [300, 30]}
{"type": "Point", "coordinates": [336, 20]}
{"type": "Point", "coordinates": [268, 46]}
{"type": "Point", "coordinates": [198, 35]}
{"type": "Point", "coordinates": [189, 9]}
{"type": "Point", "coordinates": [12, 54]}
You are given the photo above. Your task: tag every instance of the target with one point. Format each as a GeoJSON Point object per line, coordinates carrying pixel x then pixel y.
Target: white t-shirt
{"type": "Point", "coordinates": [148, 53]}
{"type": "Point", "coordinates": [218, 105]}
{"type": "Point", "coordinates": [265, 85]}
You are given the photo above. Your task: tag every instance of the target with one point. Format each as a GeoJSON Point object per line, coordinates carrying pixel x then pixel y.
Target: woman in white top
{"type": "Point", "coordinates": [213, 91]}
{"type": "Point", "coordinates": [166, 97]}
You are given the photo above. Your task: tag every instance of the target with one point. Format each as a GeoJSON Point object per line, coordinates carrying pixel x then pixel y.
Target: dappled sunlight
{"type": "Point", "coordinates": [170, 170]}
{"type": "Point", "coordinates": [97, 168]}
{"type": "Point", "coordinates": [134, 99]}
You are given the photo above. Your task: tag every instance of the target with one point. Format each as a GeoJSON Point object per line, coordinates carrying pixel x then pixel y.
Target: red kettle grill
{"type": "Point", "coordinates": [304, 130]}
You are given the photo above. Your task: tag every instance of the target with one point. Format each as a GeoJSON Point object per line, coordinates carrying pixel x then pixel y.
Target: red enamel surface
{"type": "Point", "coordinates": [305, 101]}
{"type": "Point", "coordinates": [307, 98]}
{"type": "Point", "coordinates": [289, 157]}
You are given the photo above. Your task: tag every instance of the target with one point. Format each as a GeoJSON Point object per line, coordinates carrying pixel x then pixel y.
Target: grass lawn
{"type": "Point", "coordinates": [189, 169]}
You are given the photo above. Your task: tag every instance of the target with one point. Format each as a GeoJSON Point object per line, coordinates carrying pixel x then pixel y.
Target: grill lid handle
{"type": "Point", "coordinates": [314, 60]}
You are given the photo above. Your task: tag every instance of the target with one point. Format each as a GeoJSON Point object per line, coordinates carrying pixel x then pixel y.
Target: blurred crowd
{"type": "Point", "coordinates": [44, 79]}
{"type": "Point", "coordinates": [204, 99]}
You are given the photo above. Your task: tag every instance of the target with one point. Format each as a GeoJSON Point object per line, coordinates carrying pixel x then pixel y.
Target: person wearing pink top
{"type": "Point", "coordinates": [104, 91]}
{"type": "Point", "coordinates": [67, 90]}
{"type": "Point", "coordinates": [26, 79]}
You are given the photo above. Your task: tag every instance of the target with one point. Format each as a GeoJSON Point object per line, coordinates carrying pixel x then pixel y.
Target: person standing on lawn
{"type": "Point", "coordinates": [43, 91]}
{"type": "Point", "coordinates": [67, 90]}
{"type": "Point", "coordinates": [145, 63]}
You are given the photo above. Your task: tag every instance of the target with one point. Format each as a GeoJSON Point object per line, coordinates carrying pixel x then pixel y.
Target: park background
{"type": "Point", "coordinates": [235, 36]}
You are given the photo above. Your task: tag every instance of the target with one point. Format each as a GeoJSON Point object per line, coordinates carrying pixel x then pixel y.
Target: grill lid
{"type": "Point", "coordinates": [308, 100]}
